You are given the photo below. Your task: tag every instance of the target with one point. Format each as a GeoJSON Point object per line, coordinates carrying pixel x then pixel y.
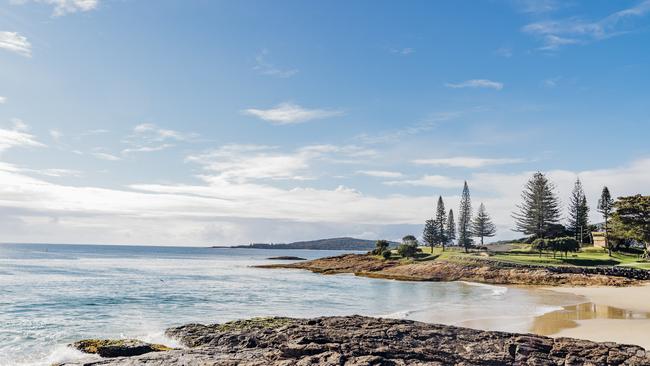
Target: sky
{"type": "Point", "coordinates": [228, 122]}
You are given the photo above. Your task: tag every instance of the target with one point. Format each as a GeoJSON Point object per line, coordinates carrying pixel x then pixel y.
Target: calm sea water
{"type": "Point", "coordinates": [51, 295]}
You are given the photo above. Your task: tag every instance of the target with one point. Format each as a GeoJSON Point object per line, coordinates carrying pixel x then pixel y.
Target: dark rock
{"type": "Point", "coordinates": [287, 258]}
{"type": "Point", "coordinates": [117, 348]}
{"type": "Point", "coordinates": [357, 340]}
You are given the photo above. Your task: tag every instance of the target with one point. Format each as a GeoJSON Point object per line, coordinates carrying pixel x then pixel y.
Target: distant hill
{"type": "Point", "coordinates": [321, 244]}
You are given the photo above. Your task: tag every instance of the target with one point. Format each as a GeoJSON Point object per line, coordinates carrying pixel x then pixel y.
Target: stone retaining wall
{"type": "Point", "coordinates": [627, 272]}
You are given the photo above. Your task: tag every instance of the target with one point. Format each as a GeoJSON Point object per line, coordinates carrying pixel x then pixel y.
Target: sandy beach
{"type": "Point", "coordinates": [615, 314]}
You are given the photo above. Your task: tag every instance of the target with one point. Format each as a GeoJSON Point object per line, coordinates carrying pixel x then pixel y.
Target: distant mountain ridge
{"type": "Point", "coordinates": [345, 243]}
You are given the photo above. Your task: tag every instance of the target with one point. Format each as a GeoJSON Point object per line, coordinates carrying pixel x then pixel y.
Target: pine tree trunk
{"type": "Point", "coordinates": [609, 247]}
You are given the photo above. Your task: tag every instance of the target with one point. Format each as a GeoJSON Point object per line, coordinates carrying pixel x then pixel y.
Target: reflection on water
{"type": "Point", "coordinates": [554, 322]}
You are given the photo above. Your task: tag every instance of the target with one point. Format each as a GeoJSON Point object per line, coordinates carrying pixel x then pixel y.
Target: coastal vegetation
{"type": "Point", "coordinates": [626, 226]}
{"type": "Point", "coordinates": [551, 253]}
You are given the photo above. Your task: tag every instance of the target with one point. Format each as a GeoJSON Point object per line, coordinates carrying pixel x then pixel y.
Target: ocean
{"type": "Point", "coordinates": [51, 295]}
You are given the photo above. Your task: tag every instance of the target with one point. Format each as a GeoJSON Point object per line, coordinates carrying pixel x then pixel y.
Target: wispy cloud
{"type": "Point", "coordinates": [537, 6]}
{"type": "Point", "coordinates": [56, 135]}
{"type": "Point", "coordinates": [466, 162]}
{"type": "Point", "coordinates": [430, 122]}
{"type": "Point", "coordinates": [437, 181]}
{"type": "Point", "coordinates": [63, 7]}
{"type": "Point", "coordinates": [380, 173]}
{"type": "Point", "coordinates": [17, 137]}
{"type": "Point", "coordinates": [551, 82]}
{"type": "Point", "coordinates": [3, 100]}
{"type": "Point", "coordinates": [243, 163]}
{"type": "Point", "coordinates": [106, 156]}
{"type": "Point", "coordinates": [506, 52]}
{"type": "Point", "coordinates": [476, 83]}
{"type": "Point", "coordinates": [402, 51]}
{"type": "Point", "coordinates": [14, 42]}
{"type": "Point", "coordinates": [576, 30]}
{"type": "Point", "coordinates": [289, 113]}
{"type": "Point", "coordinates": [264, 67]}
{"type": "Point", "coordinates": [148, 137]}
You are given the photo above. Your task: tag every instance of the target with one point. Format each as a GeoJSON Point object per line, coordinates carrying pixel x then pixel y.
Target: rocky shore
{"type": "Point", "coordinates": [356, 340]}
{"type": "Point", "coordinates": [468, 269]}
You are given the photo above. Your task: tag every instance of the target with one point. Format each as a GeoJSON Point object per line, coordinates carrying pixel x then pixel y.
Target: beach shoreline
{"type": "Point", "coordinates": [609, 314]}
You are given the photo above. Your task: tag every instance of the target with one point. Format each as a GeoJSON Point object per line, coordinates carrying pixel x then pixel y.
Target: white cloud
{"type": "Point", "coordinates": [63, 7]}
{"type": "Point", "coordinates": [227, 211]}
{"type": "Point", "coordinates": [476, 83]}
{"type": "Point", "coordinates": [14, 42]}
{"type": "Point", "coordinates": [537, 6]}
{"type": "Point", "coordinates": [3, 100]}
{"type": "Point", "coordinates": [430, 122]}
{"type": "Point", "coordinates": [19, 125]}
{"type": "Point", "coordinates": [245, 163]}
{"type": "Point", "coordinates": [106, 156]}
{"type": "Point", "coordinates": [266, 68]}
{"type": "Point", "coordinates": [575, 30]}
{"type": "Point", "coordinates": [289, 113]}
{"type": "Point", "coordinates": [380, 173]}
{"type": "Point", "coordinates": [17, 137]}
{"type": "Point", "coordinates": [436, 181]}
{"type": "Point", "coordinates": [466, 161]}
{"type": "Point", "coordinates": [551, 82]}
{"type": "Point", "coordinates": [56, 135]}
{"type": "Point", "coordinates": [504, 52]}
{"type": "Point", "coordinates": [402, 51]}
{"type": "Point", "coordinates": [148, 137]}
{"type": "Point", "coordinates": [99, 131]}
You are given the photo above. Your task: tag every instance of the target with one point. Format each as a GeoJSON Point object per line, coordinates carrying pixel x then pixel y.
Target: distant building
{"type": "Point", "coordinates": [599, 239]}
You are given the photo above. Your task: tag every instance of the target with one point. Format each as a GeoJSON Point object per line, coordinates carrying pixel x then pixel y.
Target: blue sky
{"type": "Point", "coordinates": [213, 122]}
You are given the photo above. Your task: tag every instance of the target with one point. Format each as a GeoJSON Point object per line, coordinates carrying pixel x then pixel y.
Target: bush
{"type": "Point", "coordinates": [380, 247]}
{"type": "Point", "coordinates": [386, 254]}
{"type": "Point", "coordinates": [539, 245]}
{"type": "Point", "coordinates": [407, 250]}
{"type": "Point", "coordinates": [564, 244]}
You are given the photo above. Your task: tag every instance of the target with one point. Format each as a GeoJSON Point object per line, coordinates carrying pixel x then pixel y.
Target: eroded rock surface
{"type": "Point", "coordinates": [357, 340]}
{"type": "Point", "coordinates": [117, 348]}
{"type": "Point", "coordinates": [474, 270]}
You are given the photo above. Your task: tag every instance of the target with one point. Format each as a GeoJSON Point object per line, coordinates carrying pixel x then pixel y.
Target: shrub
{"type": "Point", "coordinates": [386, 254]}
{"type": "Point", "coordinates": [407, 250]}
{"type": "Point", "coordinates": [564, 244]}
{"type": "Point", "coordinates": [380, 247]}
{"type": "Point", "coordinates": [539, 245]}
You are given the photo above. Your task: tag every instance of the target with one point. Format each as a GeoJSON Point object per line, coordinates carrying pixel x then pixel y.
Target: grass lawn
{"type": "Point", "coordinates": [587, 257]}
{"type": "Point", "coordinates": [522, 253]}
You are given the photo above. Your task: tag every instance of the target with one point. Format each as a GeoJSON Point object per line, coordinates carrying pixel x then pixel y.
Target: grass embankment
{"type": "Point", "coordinates": [586, 257]}
{"type": "Point", "coordinates": [523, 254]}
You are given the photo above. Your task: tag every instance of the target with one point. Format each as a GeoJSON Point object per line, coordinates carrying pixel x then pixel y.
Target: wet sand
{"type": "Point", "coordinates": [610, 314]}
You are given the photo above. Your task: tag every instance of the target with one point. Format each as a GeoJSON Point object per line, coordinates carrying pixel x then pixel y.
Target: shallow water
{"type": "Point", "coordinates": [568, 317]}
{"type": "Point", "coordinates": [51, 295]}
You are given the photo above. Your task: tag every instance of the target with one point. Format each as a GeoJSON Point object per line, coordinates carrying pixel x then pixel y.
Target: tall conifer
{"type": "Point", "coordinates": [539, 209]}
{"type": "Point", "coordinates": [465, 219]}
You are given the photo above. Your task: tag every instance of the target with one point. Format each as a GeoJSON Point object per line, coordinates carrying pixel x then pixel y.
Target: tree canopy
{"type": "Point", "coordinates": [465, 219]}
{"type": "Point", "coordinates": [482, 225]}
{"type": "Point", "coordinates": [634, 213]}
{"type": "Point", "coordinates": [578, 212]}
{"type": "Point", "coordinates": [539, 209]}
{"type": "Point", "coordinates": [451, 227]}
{"type": "Point", "coordinates": [440, 222]}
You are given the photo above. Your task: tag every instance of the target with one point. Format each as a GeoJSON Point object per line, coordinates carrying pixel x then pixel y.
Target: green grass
{"type": "Point", "coordinates": [587, 257]}
{"type": "Point", "coordinates": [523, 254]}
